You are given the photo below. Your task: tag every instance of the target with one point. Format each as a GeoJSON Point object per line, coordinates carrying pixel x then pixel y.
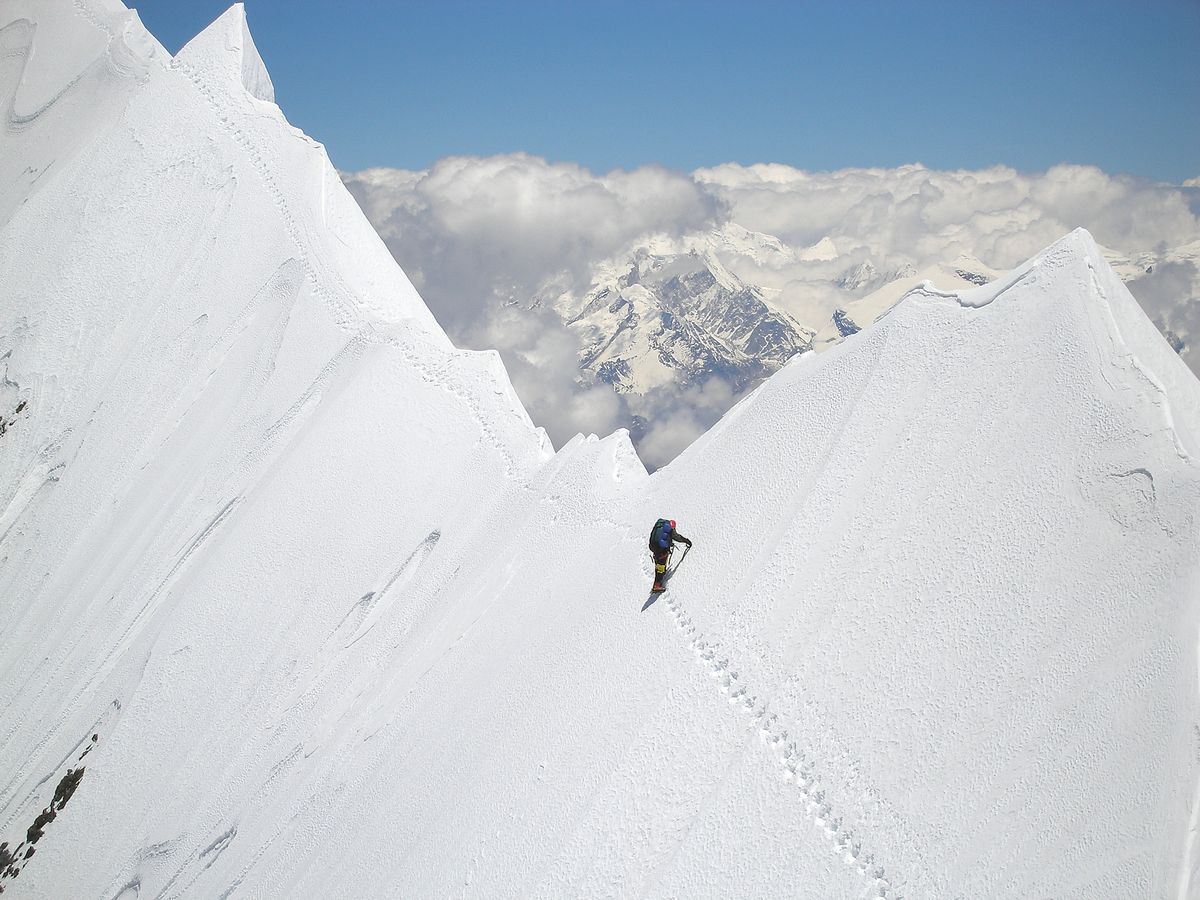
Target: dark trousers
{"type": "Point", "coordinates": [660, 564]}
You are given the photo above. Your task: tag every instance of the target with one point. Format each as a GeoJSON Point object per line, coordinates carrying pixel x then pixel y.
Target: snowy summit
{"type": "Point", "coordinates": [298, 602]}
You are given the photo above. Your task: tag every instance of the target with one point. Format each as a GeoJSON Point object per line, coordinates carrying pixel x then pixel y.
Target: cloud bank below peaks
{"type": "Point", "coordinates": [495, 244]}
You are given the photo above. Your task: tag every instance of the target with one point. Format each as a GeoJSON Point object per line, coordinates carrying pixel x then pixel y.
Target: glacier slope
{"type": "Point", "coordinates": [179, 325]}
{"type": "Point", "coordinates": [344, 627]}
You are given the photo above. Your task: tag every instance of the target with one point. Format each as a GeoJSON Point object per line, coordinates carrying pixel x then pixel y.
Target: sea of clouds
{"type": "Point", "coordinates": [484, 238]}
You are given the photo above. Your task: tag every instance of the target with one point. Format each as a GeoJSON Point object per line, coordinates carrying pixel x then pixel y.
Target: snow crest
{"type": "Point", "coordinates": [227, 48]}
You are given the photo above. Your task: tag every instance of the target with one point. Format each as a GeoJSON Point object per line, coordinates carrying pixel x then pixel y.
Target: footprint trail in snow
{"type": "Point", "coordinates": [796, 765]}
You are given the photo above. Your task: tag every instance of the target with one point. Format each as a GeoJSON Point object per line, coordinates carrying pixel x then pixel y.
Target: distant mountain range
{"type": "Point", "coordinates": [672, 312]}
{"type": "Point", "coordinates": [668, 314]}
{"type": "Point", "coordinates": [675, 315]}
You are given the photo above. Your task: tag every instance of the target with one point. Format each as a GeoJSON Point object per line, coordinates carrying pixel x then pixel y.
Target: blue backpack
{"type": "Point", "coordinates": [660, 535]}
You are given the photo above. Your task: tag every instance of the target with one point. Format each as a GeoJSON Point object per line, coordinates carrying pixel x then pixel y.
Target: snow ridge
{"type": "Point", "coordinates": [227, 47]}
{"type": "Point", "coordinates": [346, 315]}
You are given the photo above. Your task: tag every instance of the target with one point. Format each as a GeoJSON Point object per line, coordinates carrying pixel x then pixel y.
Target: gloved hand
{"type": "Point", "coordinates": [688, 542]}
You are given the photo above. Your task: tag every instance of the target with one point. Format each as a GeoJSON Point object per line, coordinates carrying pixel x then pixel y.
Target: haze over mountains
{"type": "Point", "coordinates": [743, 266]}
{"type": "Point", "coordinates": [297, 601]}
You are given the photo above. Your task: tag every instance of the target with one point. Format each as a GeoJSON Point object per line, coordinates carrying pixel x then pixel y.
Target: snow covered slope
{"type": "Point", "coordinates": [297, 602]}
{"type": "Point", "coordinates": [213, 369]}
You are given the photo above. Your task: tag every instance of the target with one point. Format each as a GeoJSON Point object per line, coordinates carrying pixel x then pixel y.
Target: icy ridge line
{"type": "Point", "coordinates": [340, 298]}
{"type": "Point", "coordinates": [1076, 246]}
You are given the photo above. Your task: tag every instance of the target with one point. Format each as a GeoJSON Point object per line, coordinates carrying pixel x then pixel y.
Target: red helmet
{"type": "Point", "coordinates": [672, 523]}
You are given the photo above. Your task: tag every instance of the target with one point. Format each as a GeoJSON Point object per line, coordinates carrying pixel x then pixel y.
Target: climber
{"type": "Point", "coordinates": [662, 537]}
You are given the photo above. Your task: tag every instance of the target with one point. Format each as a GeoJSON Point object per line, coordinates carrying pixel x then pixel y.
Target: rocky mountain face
{"type": "Point", "coordinates": [674, 315]}
{"type": "Point", "coordinates": [678, 318]}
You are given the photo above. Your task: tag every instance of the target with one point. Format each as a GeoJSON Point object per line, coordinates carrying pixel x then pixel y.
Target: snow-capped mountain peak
{"type": "Point", "coordinates": [763, 249]}
{"type": "Point", "coordinates": [677, 316]}
{"type": "Point", "coordinates": [824, 250]}
{"type": "Point", "coordinates": [858, 276]}
{"type": "Point", "coordinates": [226, 47]}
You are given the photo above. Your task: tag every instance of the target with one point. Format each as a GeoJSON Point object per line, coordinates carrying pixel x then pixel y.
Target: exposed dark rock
{"type": "Point", "coordinates": [66, 787]}
{"type": "Point", "coordinates": [845, 325]}
{"type": "Point", "coordinates": [614, 372]}
{"type": "Point", "coordinates": [34, 832]}
{"type": "Point", "coordinates": [971, 277]}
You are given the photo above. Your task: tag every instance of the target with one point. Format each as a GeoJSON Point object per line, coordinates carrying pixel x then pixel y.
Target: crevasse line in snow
{"type": "Point", "coordinates": [43, 473]}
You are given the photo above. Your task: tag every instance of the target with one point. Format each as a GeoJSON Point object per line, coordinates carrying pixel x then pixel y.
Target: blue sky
{"type": "Point", "coordinates": [815, 85]}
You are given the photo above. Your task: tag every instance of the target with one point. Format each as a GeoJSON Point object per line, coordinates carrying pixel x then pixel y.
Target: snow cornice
{"type": "Point", "coordinates": [227, 47]}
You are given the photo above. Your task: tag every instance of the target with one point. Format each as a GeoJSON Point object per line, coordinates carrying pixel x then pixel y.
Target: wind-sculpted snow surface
{"type": "Point", "coordinates": [297, 602]}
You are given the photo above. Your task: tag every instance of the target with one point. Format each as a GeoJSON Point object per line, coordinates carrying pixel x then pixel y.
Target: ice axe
{"type": "Point", "coordinates": [682, 556]}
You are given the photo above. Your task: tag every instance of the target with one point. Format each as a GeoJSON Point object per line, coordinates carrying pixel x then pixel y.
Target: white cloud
{"type": "Point", "coordinates": [542, 359]}
{"type": "Point", "coordinates": [480, 237]}
{"type": "Point", "coordinates": [484, 238]}
{"type": "Point", "coordinates": [670, 436]}
{"type": "Point", "coordinates": [924, 216]}
{"type": "Point", "coordinates": [675, 419]}
{"type": "Point", "coordinates": [1170, 295]}
{"type": "Point", "coordinates": [472, 232]}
